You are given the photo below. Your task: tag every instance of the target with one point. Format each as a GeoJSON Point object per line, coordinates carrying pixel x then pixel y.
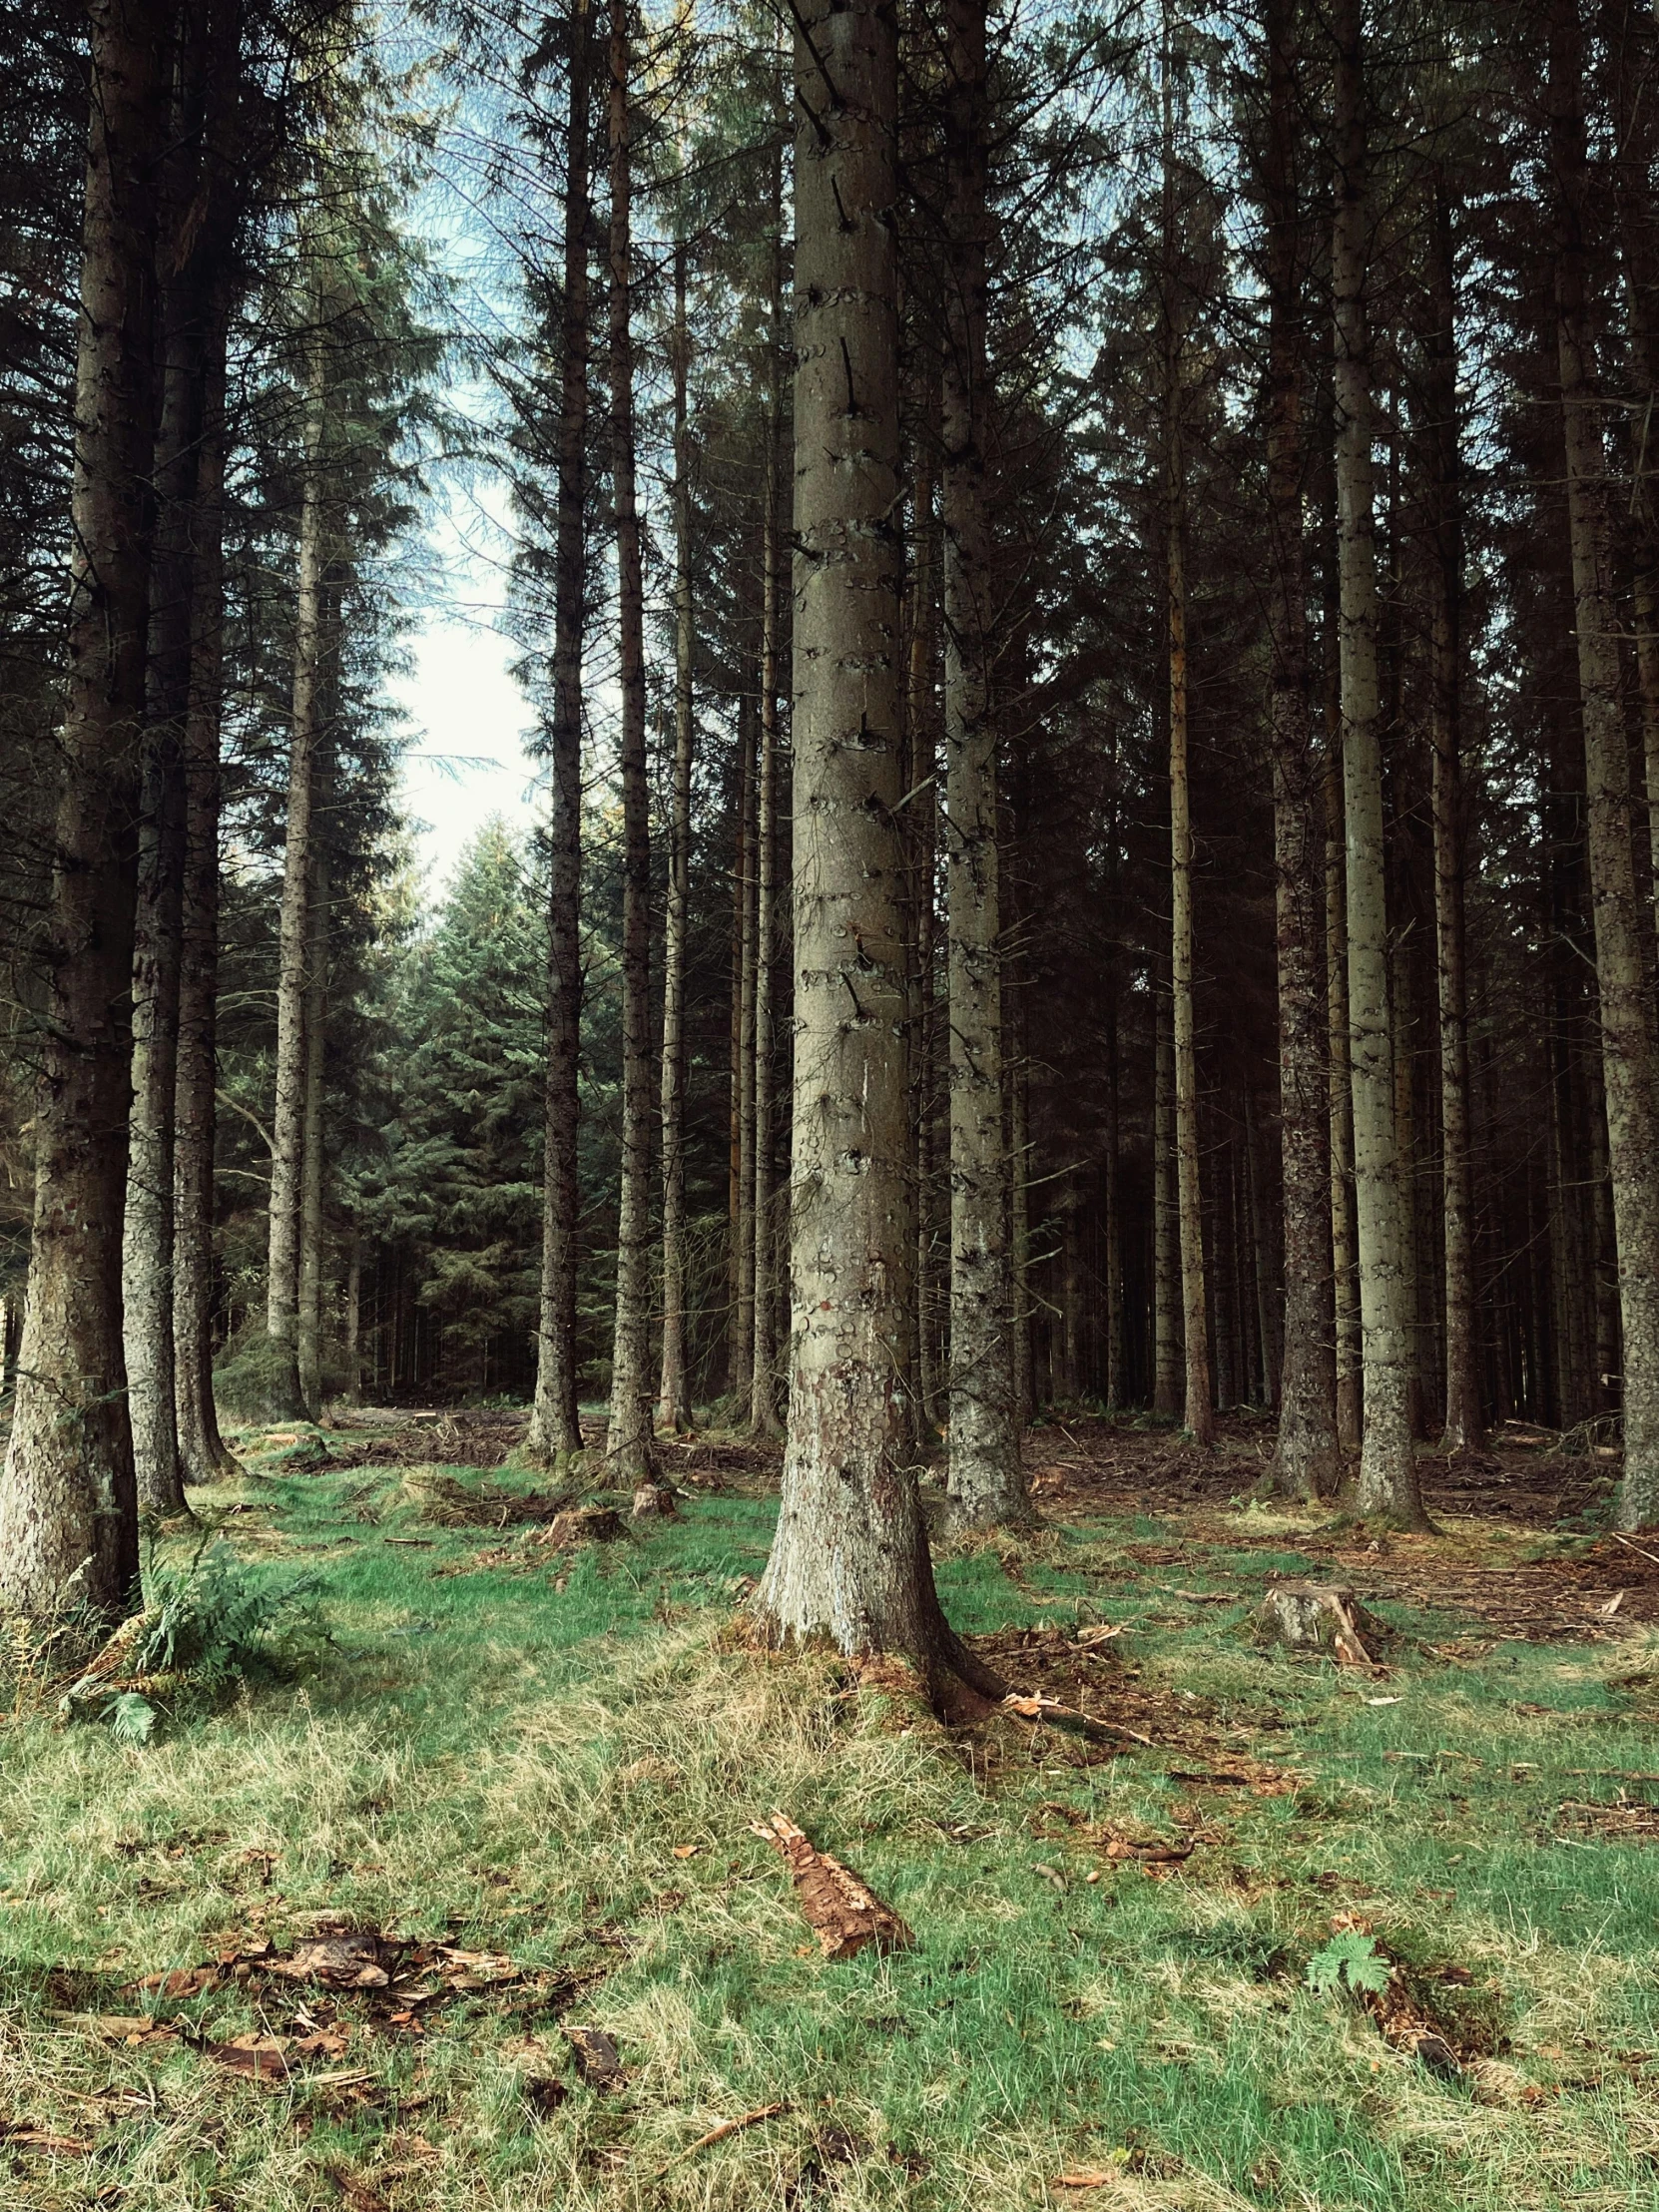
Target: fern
{"type": "Point", "coordinates": [1350, 1960]}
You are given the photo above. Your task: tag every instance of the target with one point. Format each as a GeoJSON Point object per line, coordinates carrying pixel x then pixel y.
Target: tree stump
{"type": "Point", "coordinates": [588, 1525]}
{"type": "Point", "coordinates": [1317, 1616]}
{"type": "Point", "coordinates": [654, 1502]}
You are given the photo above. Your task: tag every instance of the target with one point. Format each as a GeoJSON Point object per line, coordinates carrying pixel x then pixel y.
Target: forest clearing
{"type": "Point", "coordinates": [527, 1776]}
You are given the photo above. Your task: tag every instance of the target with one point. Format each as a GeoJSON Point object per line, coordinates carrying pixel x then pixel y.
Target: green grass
{"type": "Point", "coordinates": [487, 1758]}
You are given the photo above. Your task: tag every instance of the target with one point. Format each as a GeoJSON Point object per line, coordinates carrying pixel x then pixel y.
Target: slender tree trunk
{"type": "Point", "coordinates": [1465, 1420]}
{"type": "Point", "coordinates": [628, 1445]}
{"type": "Point", "coordinates": [286, 1398]}
{"type": "Point", "coordinates": [352, 1345]}
{"type": "Point", "coordinates": [1627, 1035]}
{"type": "Point", "coordinates": [763, 1397]}
{"type": "Point", "coordinates": [1111, 1225]}
{"type": "Point", "coordinates": [672, 1399]}
{"type": "Point", "coordinates": [1166, 1218]}
{"type": "Point", "coordinates": [1199, 1417]}
{"type": "Point", "coordinates": [744, 919]}
{"type": "Point", "coordinates": [204, 1455]}
{"type": "Point", "coordinates": [1387, 1483]}
{"type": "Point", "coordinates": [68, 1520]}
{"type": "Point", "coordinates": [850, 1559]}
{"type": "Point", "coordinates": [1306, 1460]}
{"type": "Point", "coordinates": [1016, 1070]}
{"type": "Point", "coordinates": [554, 1436]}
{"type": "Point", "coordinates": [309, 1330]}
{"type": "Point", "coordinates": [988, 1480]}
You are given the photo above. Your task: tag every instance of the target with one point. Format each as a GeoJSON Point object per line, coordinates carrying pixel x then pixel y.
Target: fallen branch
{"type": "Point", "coordinates": [720, 2133]}
{"type": "Point", "coordinates": [1049, 1713]}
{"type": "Point", "coordinates": [846, 1914]}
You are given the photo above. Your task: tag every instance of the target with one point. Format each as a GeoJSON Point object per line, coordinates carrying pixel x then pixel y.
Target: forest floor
{"type": "Point", "coordinates": [520, 1776]}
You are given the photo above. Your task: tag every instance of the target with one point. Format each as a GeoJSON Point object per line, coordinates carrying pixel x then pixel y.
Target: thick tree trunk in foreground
{"type": "Point", "coordinates": [285, 1400]}
{"type": "Point", "coordinates": [68, 1521]}
{"type": "Point", "coordinates": [850, 1559]}
{"type": "Point", "coordinates": [1304, 1464]}
{"type": "Point", "coordinates": [555, 1434]}
{"type": "Point", "coordinates": [1464, 1421]}
{"type": "Point", "coordinates": [673, 1398]}
{"type": "Point", "coordinates": [988, 1480]}
{"type": "Point", "coordinates": [763, 1397]}
{"type": "Point", "coordinates": [204, 1455]}
{"type": "Point", "coordinates": [1627, 1031]}
{"type": "Point", "coordinates": [629, 1456]}
{"type": "Point", "coordinates": [1387, 1481]}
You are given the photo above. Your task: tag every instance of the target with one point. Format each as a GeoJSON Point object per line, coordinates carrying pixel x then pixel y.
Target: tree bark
{"type": "Point", "coordinates": [1111, 1224]}
{"type": "Point", "coordinates": [1199, 1417]}
{"type": "Point", "coordinates": [1627, 1035]}
{"type": "Point", "coordinates": [629, 1454]}
{"type": "Point", "coordinates": [1464, 1414]}
{"type": "Point", "coordinates": [744, 917]}
{"type": "Point", "coordinates": [309, 1317]}
{"type": "Point", "coordinates": [287, 1120]}
{"type": "Point", "coordinates": [922, 820]}
{"type": "Point", "coordinates": [1388, 1480]}
{"type": "Point", "coordinates": [763, 1397]}
{"type": "Point", "coordinates": [850, 1559]}
{"type": "Point", "coordinates": [68, 1519]}
{"type": "Point", "coordinates": [673, 1397]}
{"type": "Point", "coordinates": [1166, 1218]}
{"type": "Point", "coordinates": [1305, 1462]}
{"type": "Point", "coordinates": [554, 1437]}
{"type": "Point", "coordinates": [204, 1454]}
{"type": "Point", "coordinates": [986, 1478]}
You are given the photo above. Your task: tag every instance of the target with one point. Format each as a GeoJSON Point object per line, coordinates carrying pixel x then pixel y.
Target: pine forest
{"type": "Point", "coordinates": [829, 1105]}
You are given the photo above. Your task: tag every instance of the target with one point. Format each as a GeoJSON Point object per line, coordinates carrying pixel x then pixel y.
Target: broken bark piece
{"type": "Point", "coordinates": [846, 1916]}
{"type": "Point", "coordinates": [349, 1961]}
{"type": "Point", "coordinates": [1317, 1616]}
{"type": "Point", "coordinates": [597, 2059]}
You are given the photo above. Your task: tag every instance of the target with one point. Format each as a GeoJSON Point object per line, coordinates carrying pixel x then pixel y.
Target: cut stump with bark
{"type": "Point", "coordinates": [846, 1916]}
{"type": "Point", "coordinates": [589, 1524]}
{"type": "Point", "coordinates": [654, 1502]}
{"type": "Point", "coordinates": [1317, 1616]}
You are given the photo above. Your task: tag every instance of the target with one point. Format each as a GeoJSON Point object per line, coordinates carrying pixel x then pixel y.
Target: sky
{"type": "Point", "coordinates": [465, 759]}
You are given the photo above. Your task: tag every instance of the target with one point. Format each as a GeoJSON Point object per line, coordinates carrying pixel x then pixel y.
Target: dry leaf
{"type": "Point", "coordinates": [1085, 2177]}
{"type": "Point", "coordinates": [687, 1851]}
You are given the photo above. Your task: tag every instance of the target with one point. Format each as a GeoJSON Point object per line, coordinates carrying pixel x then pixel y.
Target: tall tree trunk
{"type": "Point", "coordinates": [1627, 1035]}
{"type": "Point", "coordinates": [627, 1445]}
{"type": "Point", "coordinates": [849, 1558]}
{"type": "Point", "coordinates": [1387, 1483]}
{"type": "Point", "coordinates": [1199, 1417]}
{"type": "Point", "coordinates": [1306, 1460]}
{"type": "Point", "coordinates": [309, 1330]}
{"type": "Point", "coordinates": [1465, 1420]}
{"type": "Point", "coordinates": [68, 1521]}
{"type": "Point", "coordinates": [284, 1397]}
{"type": "Point", "coordinates": [986, 1480]}
{"type": "Point", "coordinates": [203, 1453]}
{"type": "Point", "coordinates": [1166, 1217]}
{"type": "Point", "coordinates": [351, 1347]}
{"type": "Point", "coordinates": [923, 817]}
{"type": "Point", "coordinates": [744, 919]}
{"type": "Point", "coordinates": [554, 1436]}
{"type": "Point", "coordinates": [1111, 1223]}
{"type": "Point", "coordinates": [1345, 1301]}
{"type": "Point", "coordinates": [673, 1398]}
{"type": "Point", "coordinates": [763, 1397]}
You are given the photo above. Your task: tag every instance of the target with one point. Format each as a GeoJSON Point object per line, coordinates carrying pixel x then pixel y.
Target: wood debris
{"type": "Point", "coordinates": [846, 1914]}
{"type": "Point", "coordinates": [720, 2133]}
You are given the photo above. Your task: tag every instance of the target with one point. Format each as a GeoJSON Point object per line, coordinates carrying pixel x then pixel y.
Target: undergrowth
{"type": "Point", "coordinates": [559, 1765]}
